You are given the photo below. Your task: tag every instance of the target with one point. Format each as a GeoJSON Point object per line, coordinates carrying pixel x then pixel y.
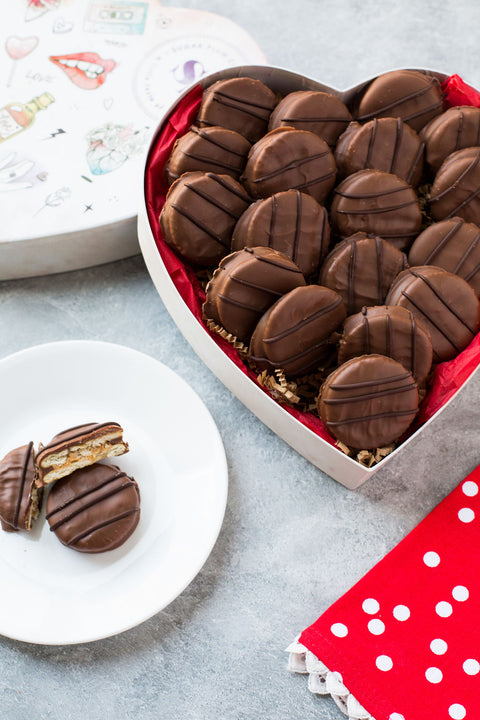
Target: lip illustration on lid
{"type": "Point", "coordinates": [85, 69]}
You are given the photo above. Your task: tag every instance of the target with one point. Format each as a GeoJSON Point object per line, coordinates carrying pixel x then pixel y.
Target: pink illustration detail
{"type": "Point", "coordinates": [37, 8]}
{"type": "Point", "coordinates": [86, 69]}
{"type": "Point", "coordinates": [110, 146]}
{"type": "Point", "coordinates": [18, 48]}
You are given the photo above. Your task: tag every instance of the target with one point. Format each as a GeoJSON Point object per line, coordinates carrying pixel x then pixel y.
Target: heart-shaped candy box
{"type": "Point", "coordinates": [182, 296]}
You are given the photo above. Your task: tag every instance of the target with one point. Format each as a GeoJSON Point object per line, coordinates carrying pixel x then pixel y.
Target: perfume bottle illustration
{"type": "Point", "coordinates": [16, 117]}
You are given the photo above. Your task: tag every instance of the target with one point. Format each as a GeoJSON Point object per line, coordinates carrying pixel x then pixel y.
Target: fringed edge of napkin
{"type": "Point", "coordinates": [322, 681]}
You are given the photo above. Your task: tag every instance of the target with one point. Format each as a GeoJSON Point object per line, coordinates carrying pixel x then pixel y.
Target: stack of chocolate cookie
{"type": "Point", "coordinates": [91, 506]}
{"type": "Point", "coordinates": [339, 237]}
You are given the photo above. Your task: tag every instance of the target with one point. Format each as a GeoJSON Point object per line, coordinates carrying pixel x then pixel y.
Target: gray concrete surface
{"type": "Point", "coordinates": [293, 540]}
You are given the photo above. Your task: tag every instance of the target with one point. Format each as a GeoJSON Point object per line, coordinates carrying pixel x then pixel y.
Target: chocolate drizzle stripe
{"type": "Point", "coordinates": [478, 130]}
{"type": "Point", "coordinates": [462, 204]}
{"type": "Point", "coordinates": [430, 320]}
{"type": "Point", "coordinates": [467, 252]}
{"type": "Point", "coordinates": [366, 332]}
{"type": "Point", "coordinates": [271, 261]}
{"type": "Point", "coordinates": [240, 304]}
{"type": "Point", "coordinates": [292, 166]}
{"type": "Point", "coordinates": [306, 321]}
{"type": "Point", "coordinates": [371, 142]}
{"type": "Point", "coordinates": [389, 334]}
{"type": "Point", "coordinates": [206, 136]}
{"type": "Point", "coordinates": [442, 299]}
{"type": "Point", "coordinates": [227, 186]}
{"type": "Point", "coordinates": [239, 105]}
{"type": "Point", "coordinates": [423, 111]}
{"type": "Point", "coordinates": [219, 93]}
{"type": "Point", "coordinates": [398, 142]}
{"type": "Point", "coordinates": [92, 503]}
{"type": "Point", "coordinates": [413, 342]}
{"type": "Point", "coordinates": [298, 224]}
{"type": "Point", "coordinates": [352, 261]}
{"type": "Point", "coordinates": [322, 119]}
{"type": "Point", "coordinates": [461, 118]}
{"type": "Point", "coordinates": [379, 252]}
{"type": "Point", "coordinates": [472, 273]}
{"type": "Point", "coordinates": [273, 217]}
{"type": "Point", "coordinates": [444, 241]}
{"type": "Point", "coordinates": [204, 228]}
{"type": "Point", "coordinates": [254, 286]}
{"type": "Point", "coordinates": [367, 196]}
{"type": "Point", "coordinates": [103, 524]}
{"type": "Point", "coordinates": [405, 98]}
{"type": "Point", "coordinates": [210, 161]}
{"type": "Point", "coordinates": [216, 203]}
{"type": "Point", "coordinates": [293, 358]}
{"type": "Point", "coordinates": [472, 164]}
{"type": "Point", "coordinates": [367, 418]}
{"type": "Point", "coordinates": [83, 494]}
{"type": "Point", "coordinates": [415, 162]}
{"type": "Point", "coordinates": [378, 211]}
{"type": "Point", "coordinates": [370, 383]}
{"type": "Point", "coordinates": [314, 181]}
{"type": "Point", "coordinates": [370, 396]}
{"type": "Point", "coordinates": [82, 431]}
{"type": "Point", "coordinates": [22, 485]}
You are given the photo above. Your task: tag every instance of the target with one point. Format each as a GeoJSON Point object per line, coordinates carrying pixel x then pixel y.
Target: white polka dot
{"type": "Point", "coordinates": [401, 612]}
{"type": "Point", "coordinates": [433, 675]}
{"type": "Point", "coordinates": [376, 627]}
{"type": "Point", "coordinates": [471, 666]}
{"type": "Point", "coordinates": [444, 609]}
{"type": "Point", "coordinates": [438, 646]}
{"type": "Point", "coordinates": [460, 593]}
{"type": "Point", "coordinates": [457, 711]}
{"type": "Point", "coordinates": [470, 488]}
{"type": "Point", "coordinates": [431, 559]}
{"type": "Point", "coordinates": [466, 515]}
{"type": "Point", "coordinates": [370, 606]}
{"type": "Point", "coordinates": [384, 663]}
{"type": "Point", "coordinates": [396, 716]}
{"type": "Point", "coordinates": [339, 630]}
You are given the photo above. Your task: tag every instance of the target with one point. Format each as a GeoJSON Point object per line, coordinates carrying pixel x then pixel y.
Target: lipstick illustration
{"type": "Point", "coordinates": [85, 69]}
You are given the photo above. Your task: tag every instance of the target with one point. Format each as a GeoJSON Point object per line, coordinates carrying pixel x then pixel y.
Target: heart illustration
{"type": "Point", "coordinates": [181, 293]}
{"type": "Point", "coordinates": [18, 47]}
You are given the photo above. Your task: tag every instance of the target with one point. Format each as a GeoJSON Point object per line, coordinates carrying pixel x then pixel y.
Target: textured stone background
{"type": "Point", "coordinates": [293, 540]}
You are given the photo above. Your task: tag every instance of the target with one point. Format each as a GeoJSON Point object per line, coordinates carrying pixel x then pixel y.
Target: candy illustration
{"type": "Point", "coordinates": [18, 48]}
{"type": "Point", "coordinates": [85, 69]}
{"type": "Point", "coordinates": [16, 117]}
{"type": "Point", "coordinates": [12, 171]}
{"type": "Point", "coordinates": [37, 8]}
{"type": "Point", "coordinates": [111, 145]}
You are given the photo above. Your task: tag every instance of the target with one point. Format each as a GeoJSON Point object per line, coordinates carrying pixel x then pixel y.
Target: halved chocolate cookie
{"type": "Point", "coordinates": [20, 499]}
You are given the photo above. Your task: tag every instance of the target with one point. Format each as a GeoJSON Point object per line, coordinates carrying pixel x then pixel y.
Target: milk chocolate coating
{"type": "Point", "coordinates": [241, 104]}
{"type": "Point", "coordinates": [289, 159]}
{"type": "Point", "coordinates": [455, 129]}
{"type": "Point", "coordinates": [388, 330]}
{"type": "Point", "coordinates": [199, 215]}
{"type": "Point", "coordinates": [214, 149]}
{"type": "Point", "coordinates": [453, 245]}
{"type": "Point", "coordinates": [361, 269]}
{"type": "Point", "coordinates": [456, 188]}
{"type": "Point", "coordinates": [386, 144]}
{"type": "Point", "coordinates": [94, 509]}
{"type": "Point", "coordinates": [89, 436]}
{"type": "Point", "coordinates": [411, 95]}
{"type": "Point", "coordinates": [445, 303]}
{"type": "Point", "coordinates": [245, 285]}
{"type": "Point", "coordinates": [368, 402]}
{"type": "Point", "coordinates": [319, 112]}
{"type": "Point", "coordinates": [290, 222]}
{"type": "Point", "coordinates": [379, 203]}
{"type": "Point", "coordinates": [294, 333]}
{"type": "Point", "coordinates": [17, 474]}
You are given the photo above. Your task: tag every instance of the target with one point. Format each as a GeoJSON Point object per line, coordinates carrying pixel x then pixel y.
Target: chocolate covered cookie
{"type": "Point", "coordinates": [94, 509]}
{"type": "Point", "coordinates": [386, 144]}
{"type": "Point", "coordinates": [361, 269]}
{"type": "Point", "coordinates": [289, 159]}
{"type": "Point", "coordinates": [445, 303]}
{"type": "Point", "coordinates": [78, 447]}
{"type": "Point", "coordinates": [199, 215]}
{"type": "Point", "coordinates": [213, 149]}
{"type": "Point", "coordinates": [413, 96]}
{"type": "Point", "coordinates": [294, 333]}
{"type": "Point", "coordinates": [388, 330]}
{"type": "Point", "coordinates": [245, 285]}
{"type": "Point", "coordinates": [368, 402]}
{"type": "Point", "coordinates": [290, 222]}
{"type": "Point", "coordinates": [379, 203]}
{"type": "Point", "coordinates": [455, 129]}
{"type": "Point", "coordinates": [453, 245]}
{"type": "Point", "coordinates": [319, 112]}
{"type": "Point", "coordinates": [456, 188]}
{"type": "Point", "coordinates": [241, 104]}
{"type": "Point", "coordinates": [20, 499]}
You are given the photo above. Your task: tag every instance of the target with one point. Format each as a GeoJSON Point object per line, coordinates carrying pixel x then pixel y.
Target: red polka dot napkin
{"type": "Point", "coordinates": [405, 640]}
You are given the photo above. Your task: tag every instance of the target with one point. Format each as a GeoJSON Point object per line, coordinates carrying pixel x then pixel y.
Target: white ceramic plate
{"type": "Point", "coordinates": [54, 595]}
